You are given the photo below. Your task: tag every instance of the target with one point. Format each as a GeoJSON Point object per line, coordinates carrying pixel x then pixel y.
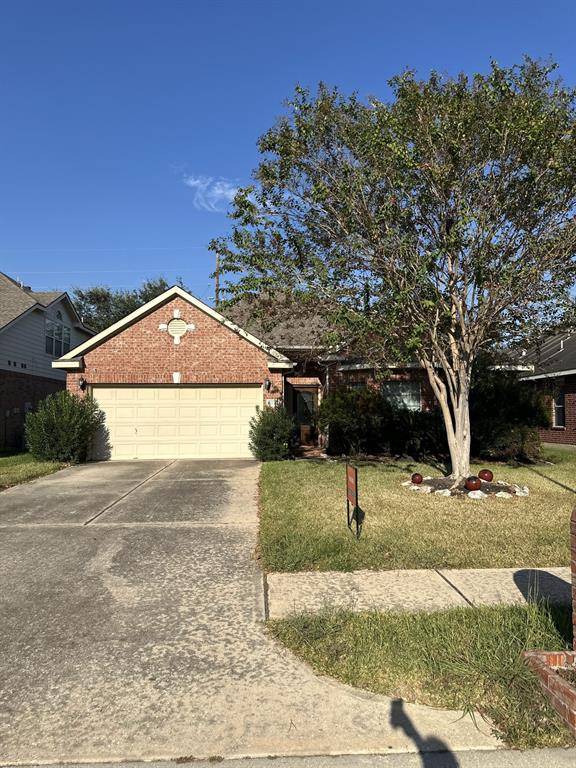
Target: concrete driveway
{"type": "Point", "coordinates": [131, 613]}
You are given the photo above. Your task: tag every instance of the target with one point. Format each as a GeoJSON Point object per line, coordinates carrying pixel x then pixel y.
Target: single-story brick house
{"type": "Point", "coordinates": [554, 371]}
{"type": "Point", "coordinates": [176, 379]}
{"type": "Point", "coordinates": [35, 328]}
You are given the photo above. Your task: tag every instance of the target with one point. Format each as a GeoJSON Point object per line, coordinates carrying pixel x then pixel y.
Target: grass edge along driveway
{"type": "Point", "coordinates": [16, 468]}
{"type": "Point", "coordinates": [303, 518]}
{"type": "Point", "coordinates": [466, 659]}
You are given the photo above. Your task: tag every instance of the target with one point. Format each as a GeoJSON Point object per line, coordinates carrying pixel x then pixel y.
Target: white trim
{"type": "Point", "coordinates": [367, 367]}
{"type": "Point", "coordinates": [280, 365]}
{"type": "Point", "coordinates": [162, 299]}
{"type": "Point", "coordinates": [68, 365]}
{"type": "Point", "coordinates": [552, 375]}
{"type": "Point", "coordinates": [505, 367]}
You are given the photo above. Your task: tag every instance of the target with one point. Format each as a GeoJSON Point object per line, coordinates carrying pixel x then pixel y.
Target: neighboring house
{"type": "Point", "coordinates": [554, 372]}
{"type": "Point", "coordinates": [36, 327]}
{"type": "Point", "coordinates": [176, 379]}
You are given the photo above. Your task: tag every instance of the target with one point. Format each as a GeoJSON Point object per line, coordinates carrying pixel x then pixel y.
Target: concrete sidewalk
{"type": "Point", "coordinates": [416, 590]}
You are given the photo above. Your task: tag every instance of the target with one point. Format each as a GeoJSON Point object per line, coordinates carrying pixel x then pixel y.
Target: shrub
{"type": "Point", "coordinates": [507, 442]}
{"type": "Point", "coordinates": [63, 427]}
{"type": "Point", "coordinates": [504, 414]}
{"type": "Point", "coordinates": [363, 421]}
{"type": "Point", "coordinates": [353, 420]}
{"type": "Point", "coordinates": [272, 434]}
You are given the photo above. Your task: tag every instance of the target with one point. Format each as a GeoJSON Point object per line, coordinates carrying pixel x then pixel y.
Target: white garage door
{"type": "Point", "coordinates": [177, 422]}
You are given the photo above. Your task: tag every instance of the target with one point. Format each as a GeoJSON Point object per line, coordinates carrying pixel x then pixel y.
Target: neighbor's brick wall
{"type": "Point", "coordinates": [20, 392]}
{"type": "Point", "coordinates": [211, 354]}
{"type": "Point", "coordinates": [565, 435]}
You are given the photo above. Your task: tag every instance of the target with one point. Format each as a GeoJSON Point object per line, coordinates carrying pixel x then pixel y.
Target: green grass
{"type": "Point", "coordinates": [465, 659]}
{"type": "Point", "coordinates": [303, 519]}
{"type": "Point", "coordinates": [21, 467]}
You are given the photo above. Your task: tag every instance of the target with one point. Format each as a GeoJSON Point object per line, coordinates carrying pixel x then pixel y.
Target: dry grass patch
{"type": "Point", "coordinates": [303, 519]}
{"type": "Point", "coordinates": [21, 467]}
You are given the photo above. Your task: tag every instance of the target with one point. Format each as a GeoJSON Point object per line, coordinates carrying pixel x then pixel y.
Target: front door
{"type": "Point", "coordinates": [305, 412]}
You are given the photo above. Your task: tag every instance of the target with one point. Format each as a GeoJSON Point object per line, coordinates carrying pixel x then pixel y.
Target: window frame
{"type": "Point", "coordinates": [395, 401]}
{"type": "Point", "coordinates": [559, 408]}
{"type": "Point", "coordinates": [57, 336]}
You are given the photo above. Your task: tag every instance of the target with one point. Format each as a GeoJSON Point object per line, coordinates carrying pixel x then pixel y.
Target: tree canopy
{"type": "Point", "coordinates": [431, 226]}
{"type": "Point", "coordinates": [101, 306]}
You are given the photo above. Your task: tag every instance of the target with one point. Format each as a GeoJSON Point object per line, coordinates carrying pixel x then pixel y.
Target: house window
{"type": "Point", "coordinates": [357, 384]}
{"type": "Point", "coordinates": [57, 341]}
{"type": "Point", "coordinates": [402, 394]}
{"type": "Point", "coordinates": [559, 409]}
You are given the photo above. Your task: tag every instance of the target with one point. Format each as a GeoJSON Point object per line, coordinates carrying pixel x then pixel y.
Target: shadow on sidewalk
{"type": "Point", "coordinates": [540, 586]}
{"type": "Point", "coordinates": [434, 753]}
{"type": "Point", "coordinates": [552, 593]}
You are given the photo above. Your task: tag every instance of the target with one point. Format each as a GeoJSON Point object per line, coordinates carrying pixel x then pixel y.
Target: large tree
{"type": "Point", "coordinates": [101, 306]}
{"type": "Point", "coordinates": [432, 226]}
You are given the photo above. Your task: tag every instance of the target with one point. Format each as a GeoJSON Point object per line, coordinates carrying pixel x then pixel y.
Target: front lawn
{"type": "Point", "coordinates": [303, 519]}
{"type": "Point", "coordinates": [21, 467]}
{"type": "Point", "coordinates": [464, 659]}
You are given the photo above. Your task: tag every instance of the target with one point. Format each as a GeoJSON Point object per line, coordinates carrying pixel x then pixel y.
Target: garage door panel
{"type": "Point", "coordinates": [178, 422]}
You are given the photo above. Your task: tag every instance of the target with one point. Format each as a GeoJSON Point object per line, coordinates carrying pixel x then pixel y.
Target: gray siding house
{"type": "Point", "coordinates": [36, 327]}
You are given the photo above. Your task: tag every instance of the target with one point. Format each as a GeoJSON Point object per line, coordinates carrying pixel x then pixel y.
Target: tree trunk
{"type": "Point", "coordinates": [459, 440]}
{"type": "Point", "coordinates": [456, 413]}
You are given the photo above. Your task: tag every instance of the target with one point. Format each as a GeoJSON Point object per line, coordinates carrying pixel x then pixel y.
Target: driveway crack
{"type": "Point", "coordinates": [138, 485]}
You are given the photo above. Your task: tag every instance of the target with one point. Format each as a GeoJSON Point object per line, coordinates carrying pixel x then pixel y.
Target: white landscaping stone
{"type": "Point", "coordinates": [442, 492]}
{"type": "Point", "coordinates": [476, 495]}
{"type": "Point", "coordinates": [503, 495]}
{"type": "Point", "coordinates": [425, 489]}
{"type": "Point", "coordinates": [406, 483]}
{"type": "Point", "coordinates": [413, 487]}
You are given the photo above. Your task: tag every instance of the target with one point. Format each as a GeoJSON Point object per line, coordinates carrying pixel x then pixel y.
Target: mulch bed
{"type": "Point", "coordinates": [438, 485]}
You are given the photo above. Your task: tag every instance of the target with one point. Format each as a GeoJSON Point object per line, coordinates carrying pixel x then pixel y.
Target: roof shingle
{"type": "Point", "coordinates": [15, 299]}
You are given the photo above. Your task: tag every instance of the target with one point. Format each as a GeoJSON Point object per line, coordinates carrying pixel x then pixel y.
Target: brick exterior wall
{"type": "Point", "coordinates": [561, 435]}
{"type": "Point", "coordinates": [210, 354]}
{"type": "Point", "coordinates": [19, 393]}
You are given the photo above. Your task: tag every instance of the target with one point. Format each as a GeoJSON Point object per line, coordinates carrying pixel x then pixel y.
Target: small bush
{"type": "Point", "coordinates": [507, 442]}
{"type": "Point", "coordinates": [272, 434]}
{"type": "Point", "coordinates": [363, 421]}
{"type": "Point", "coordinates": [62, 428]}
{"type": "Point", "coordinates": [505, 413]}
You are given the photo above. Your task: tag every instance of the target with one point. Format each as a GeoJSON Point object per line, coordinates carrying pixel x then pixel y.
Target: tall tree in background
{"type": "Point", "coordinates": [430, 227]}
{"type": "Point", "coordinates": [100, 306]}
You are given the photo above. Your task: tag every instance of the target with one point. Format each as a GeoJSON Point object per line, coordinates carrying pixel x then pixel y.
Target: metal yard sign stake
{"type": "Point", "coordinates": [353, 511]}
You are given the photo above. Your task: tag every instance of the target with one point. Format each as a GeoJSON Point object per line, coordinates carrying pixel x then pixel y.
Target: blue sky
{"type": "Point", "coordinates": [125, 126]}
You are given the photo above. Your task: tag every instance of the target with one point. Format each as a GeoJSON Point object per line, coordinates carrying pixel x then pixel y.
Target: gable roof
{"type": "Point", "coordinates": [555, 357]}
{"type": "Point", "coordinates": [16, 299]}
{"type": "Point", "coordinates": [293, 326]}
{"type": "Point", "coordinates": [145, 309]}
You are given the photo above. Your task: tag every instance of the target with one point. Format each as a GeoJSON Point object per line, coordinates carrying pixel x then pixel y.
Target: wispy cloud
{"type": "Point", "coordinates": [210, 193]}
